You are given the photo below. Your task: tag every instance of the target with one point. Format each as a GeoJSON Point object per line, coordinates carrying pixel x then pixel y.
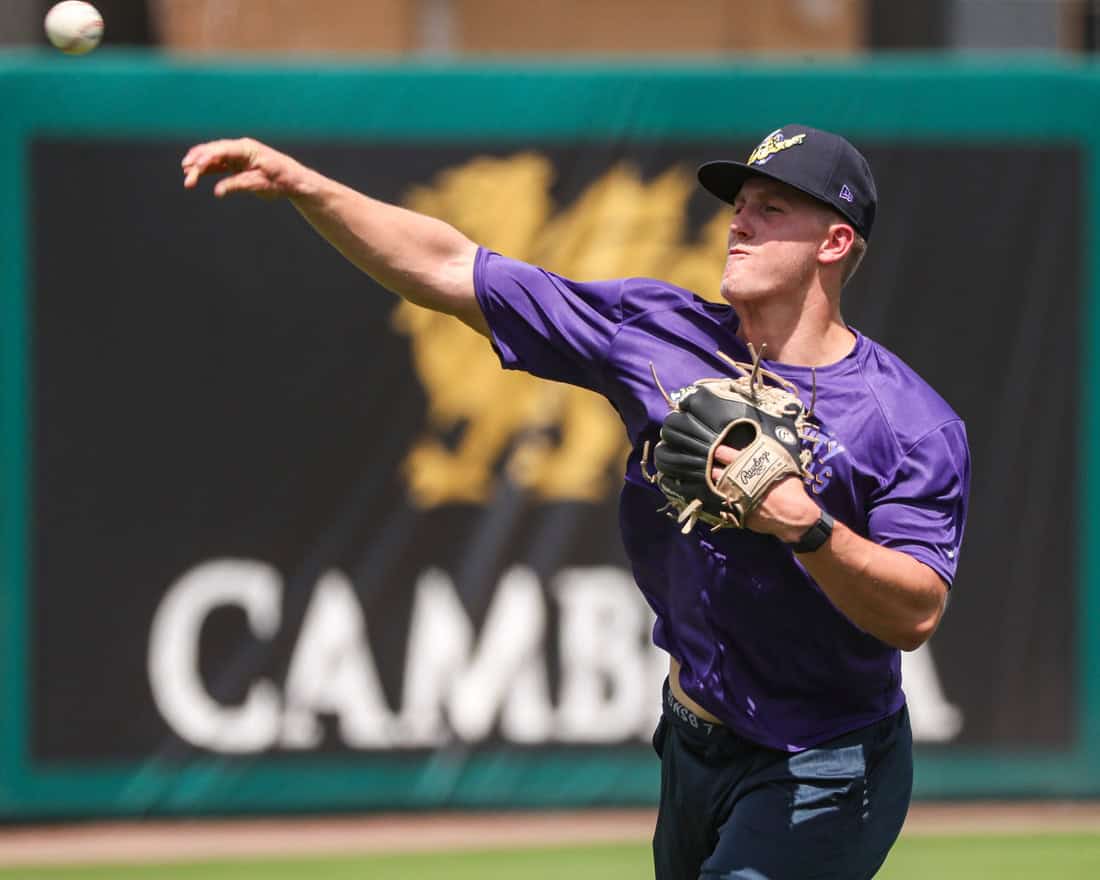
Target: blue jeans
{"type": "Point", "coordinates": [734, 810]}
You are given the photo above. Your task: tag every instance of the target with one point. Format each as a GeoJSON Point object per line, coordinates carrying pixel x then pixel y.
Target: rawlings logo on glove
{"type": "Point", "coordinates": [758, 414]}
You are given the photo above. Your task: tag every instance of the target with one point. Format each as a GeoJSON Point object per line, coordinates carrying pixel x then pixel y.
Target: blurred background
{"type": "Point", "coordinates": [459, 27]}
{"type": "Point", "coordinates": [277, 546]}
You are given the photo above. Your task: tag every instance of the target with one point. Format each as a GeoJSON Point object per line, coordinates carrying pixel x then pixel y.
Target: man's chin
{"type": "Point", "coordinates": [740, 293]}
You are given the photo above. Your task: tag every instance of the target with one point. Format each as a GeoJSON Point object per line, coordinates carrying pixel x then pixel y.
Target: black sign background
{"type": "Point", "coordinates": [210, 379]}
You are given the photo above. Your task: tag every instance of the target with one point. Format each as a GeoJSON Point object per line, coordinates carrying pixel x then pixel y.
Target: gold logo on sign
{"type": "Point", "coordinates": [556, 441]}
{"type": "Point", "coordinates": [772, 144]}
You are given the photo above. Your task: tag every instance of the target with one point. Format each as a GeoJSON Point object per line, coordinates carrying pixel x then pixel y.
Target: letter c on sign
{"type": "Point", "coordinates": [173, 660]}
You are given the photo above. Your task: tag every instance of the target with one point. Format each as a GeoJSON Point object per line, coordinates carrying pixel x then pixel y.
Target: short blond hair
{"type": "Point", "coordinates": [858, 249]}
{"type": "Point", "coordinates": [854, 257]}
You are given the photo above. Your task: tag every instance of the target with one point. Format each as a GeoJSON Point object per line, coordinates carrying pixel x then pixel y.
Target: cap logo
{"type": "Point", "coordinates": [772, 144]}
{"type": "Point", "coordinates": [846, 194]}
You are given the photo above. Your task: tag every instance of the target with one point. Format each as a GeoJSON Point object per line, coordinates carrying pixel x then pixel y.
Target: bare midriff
{"type": "Point", "coordinates": [678, 693]}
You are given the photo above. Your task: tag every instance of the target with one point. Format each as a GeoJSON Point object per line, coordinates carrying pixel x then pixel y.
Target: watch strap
{"type": "Point", "coordinates": [815, 535]}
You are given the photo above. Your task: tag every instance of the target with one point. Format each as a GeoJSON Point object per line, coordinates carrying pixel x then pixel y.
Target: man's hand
{"type": "Point", "coordinates": [758, 416]}
{"type": "Point", "coordinates": [786, 511]}
{"type": "Point", "coordinates": [251, 167]}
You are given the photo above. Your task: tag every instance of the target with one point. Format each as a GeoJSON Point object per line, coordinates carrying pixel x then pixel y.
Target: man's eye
{"type": "Point", "coordinates": [773, 209]}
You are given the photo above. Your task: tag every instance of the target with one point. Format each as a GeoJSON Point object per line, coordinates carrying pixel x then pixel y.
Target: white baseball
{"type": "Point", "coordinates": [74, 26]}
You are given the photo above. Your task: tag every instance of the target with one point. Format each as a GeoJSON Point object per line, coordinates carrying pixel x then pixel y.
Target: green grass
{"type": "Point", "coordinates": [1056, 856]}
{"type": "Point", "coordinates": [578, 863]}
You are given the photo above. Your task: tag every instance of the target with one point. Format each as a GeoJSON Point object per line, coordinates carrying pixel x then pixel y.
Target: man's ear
{"type": "Point", "coordinates": [837, 243]}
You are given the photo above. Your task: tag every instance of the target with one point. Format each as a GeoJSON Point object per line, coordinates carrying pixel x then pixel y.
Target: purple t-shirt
{"type": "Point", "coordinates": [761, 646]}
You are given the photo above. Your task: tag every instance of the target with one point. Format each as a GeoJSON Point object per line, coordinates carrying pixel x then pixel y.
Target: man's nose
{"type": "Point", "coordinates": [740, 226]}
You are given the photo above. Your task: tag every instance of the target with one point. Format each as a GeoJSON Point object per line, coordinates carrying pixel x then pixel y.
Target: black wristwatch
{"type": "Point", "coordinates": [815, 535]}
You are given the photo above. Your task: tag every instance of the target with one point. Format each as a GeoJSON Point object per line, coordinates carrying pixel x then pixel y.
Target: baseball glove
{"type": "Point", "coordinates": [757, 413]}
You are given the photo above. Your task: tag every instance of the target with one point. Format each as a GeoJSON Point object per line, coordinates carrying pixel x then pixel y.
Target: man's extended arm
{"type": "Point", "coordinates": [420, 258]}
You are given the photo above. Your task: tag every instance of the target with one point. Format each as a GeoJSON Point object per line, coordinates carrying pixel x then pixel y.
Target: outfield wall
{"type": "Point", "coordinates": [274, 542]}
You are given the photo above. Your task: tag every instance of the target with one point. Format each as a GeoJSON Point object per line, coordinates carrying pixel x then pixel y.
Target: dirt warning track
{"type": "Point", "coordinates": [194, 840]}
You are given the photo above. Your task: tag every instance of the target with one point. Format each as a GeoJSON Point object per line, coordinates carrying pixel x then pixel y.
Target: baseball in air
{"type": "Point", "coordinates": [74, 27]}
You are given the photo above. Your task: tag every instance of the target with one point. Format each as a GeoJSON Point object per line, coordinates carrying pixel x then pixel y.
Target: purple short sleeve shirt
{"type": "Point", "coordinates": [760, 644]}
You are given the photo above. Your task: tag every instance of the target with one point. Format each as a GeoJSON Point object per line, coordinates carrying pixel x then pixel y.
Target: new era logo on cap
{"type": "Point", "coordinates": [820, 163]}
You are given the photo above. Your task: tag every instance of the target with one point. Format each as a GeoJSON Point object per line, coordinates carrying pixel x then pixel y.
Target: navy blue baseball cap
{"type": "Point", "coordinates": [820, 163]}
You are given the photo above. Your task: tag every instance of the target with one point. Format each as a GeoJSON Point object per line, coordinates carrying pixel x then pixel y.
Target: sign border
{"type": "Point", "coordinates": [136, 96]}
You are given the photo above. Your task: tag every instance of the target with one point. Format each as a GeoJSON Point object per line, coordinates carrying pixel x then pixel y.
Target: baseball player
{"type": "Point", "coordinates": [785, 744]}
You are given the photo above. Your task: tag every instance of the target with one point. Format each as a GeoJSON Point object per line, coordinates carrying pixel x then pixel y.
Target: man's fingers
{"type": "Point", "coordinates": [725, 454]}
{"type": "Point", "coordinates": [254, 181]}
{"type": "Point", "coordinates": [215, 157]}
{"type": "Point", "coordinates": [240, 147]}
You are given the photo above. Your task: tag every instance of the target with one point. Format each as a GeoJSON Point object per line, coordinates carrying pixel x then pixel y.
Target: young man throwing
{"type": "Point", "coordinates": [785, 743]}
